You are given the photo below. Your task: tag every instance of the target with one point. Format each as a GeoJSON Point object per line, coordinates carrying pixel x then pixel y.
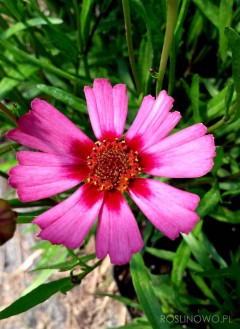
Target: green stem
{"type": "Point", "coordinates": [172, 9]}
{"type": "Point", "coordinates": [127, 20]}
{"type": "Point", "coordinates": [9, 114]}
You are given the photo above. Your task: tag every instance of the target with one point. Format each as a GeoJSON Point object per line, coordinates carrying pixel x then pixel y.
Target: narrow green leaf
{"type": "Point", "coordinates": [134, 326]}
{"type": "Point", "coordinates": [35, 297]}
{"type": "Point", "coordinates": [209, 201]}
{"type": "Point", "coordinates": [6, 147]}
{"type": "Point", "coordinates": [217, 105]}
{"type": "Point", "coordinates": [209, 9]}
{"type": "Point", "coordinates": [57, 39]}
{"type": "Point", "coordinates": [232, 271]}
{"type": "Point", "coordinates": [228, 99]}
{"type": "Point", "coordinates": [180, 263]}
{"type": "Point", "coordinates": [225, 215]}
{"type": "Point", "coordinates": [218, 159]}
{"type": "Point", "coordinates": [198, 251]}
{"type": "Point", "coordinates": [225, 19]}
{"type": "Point", "coordinates": [20, 26]}
{"type": "Point", "coordinates": [171, 256]}
{"type": "Point", "coordinates": [85, 18]}
{"type": "Point", "coordinates": [23, 219]}
{"type": "Point", "coordinates": [124, 300]}
{"type": "Point", "coordinates": [146, 48]}
{"type": "Point", "coordinates": [145, 292]}
{"type": "Point", "coordinates": [62, 267]}
{"type": "Point", "coordinates": [211, 250]}
{"type": "Point", "coordinates": [203, 286]}
{"type": "Point", "coordinates": [13, 7]}
{"type": "Point", "coordinates": [182, 259]}
{"type": "Point", "coordinates": [195, 98]}
{"type": "Point", "coordinates": [65, 97]}
{"type": "Point", "coordinates": [43, 63]}
{"type": "Point", "coordinates": [234, 43]}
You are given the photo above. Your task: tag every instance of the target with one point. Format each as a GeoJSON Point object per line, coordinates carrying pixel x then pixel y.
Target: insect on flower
{"type": "Point", "coordinates": [109, 168]}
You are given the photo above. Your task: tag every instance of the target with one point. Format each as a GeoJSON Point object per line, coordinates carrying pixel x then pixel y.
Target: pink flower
{"type": "Point", "coordinates": [108, 168]}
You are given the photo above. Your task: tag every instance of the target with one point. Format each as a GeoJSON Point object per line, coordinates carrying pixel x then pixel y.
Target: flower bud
{"type": "Point", "coordinates": [7, 221]}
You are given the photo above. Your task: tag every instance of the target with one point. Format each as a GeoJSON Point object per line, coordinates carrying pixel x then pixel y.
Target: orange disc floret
{"type": "Point", "coordinates": [112, 165]}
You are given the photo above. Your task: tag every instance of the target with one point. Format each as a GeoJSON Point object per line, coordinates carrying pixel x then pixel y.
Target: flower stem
{"type": "Point", "coordinates": [172, 10]}
{"type": "Point", "coordinates": [127, 20]}
{"type": "Point", "coordinates": [9, 114]}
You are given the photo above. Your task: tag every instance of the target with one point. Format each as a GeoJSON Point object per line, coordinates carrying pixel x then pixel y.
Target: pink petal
{"type": "Point", "coordinates": [192, 159]}
{"type": "Point", "coordinates": [33, 175]}
{"type": "Point", "coordinates": [69, 222]}
{"type": "Point", "coordinates": [47, 160]}
{"type": "Point", "coordinates": [34, 183]}
{"type": "Point", "coordinates": [181, 137]}
{"type": "Point", "coordinates": [153, 122]}
{"type": "Point", "coordinates": [46, 129]}
{"type": "Point", "coordinates": [107, 107]}
{"type": "Point", "coordinates": [118, 234]}
{"type": "Point", "coordinates": [169, 209]}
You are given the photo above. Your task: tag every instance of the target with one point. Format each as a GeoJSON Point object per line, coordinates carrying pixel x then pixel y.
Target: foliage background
{"type": "Point", "coordinates": [51, 49]}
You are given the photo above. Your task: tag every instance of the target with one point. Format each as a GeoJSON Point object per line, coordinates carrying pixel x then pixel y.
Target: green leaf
{"type": "Point", "coordinates": [209, 201]}
{"type": "Point", "coordinates": [232, 271]}
{"type": "Point", "coordinates": [225, 215]}
{"type": "Point", "coordinates": [218, 159]}
{"type": "Point", "coordinates": [209, 9]}
{"type": "Point", "coordinates": [85, 18]}
{"type": "Point", "coordinates": [146, 47]}
{"type": "Point", "coordinates": [43, 63]}
{"type": "Point", "coordinates": [211, 250]}
{"type": "Point", "coordinates": [35, 297]}
{"type": "Point", "coordinates": [62, 267]}
{"type": "Point", "coordinates": [145, 292]}
{"type": "Point", "coordinates": [31, 22]}
{"type": "Point", "coordinates": [122, 299]}
{"type": "Point", "coordinates": [6, 147]}
{"type": "Point", "coordinates": [65, 97]}
{"type": "Point", "coordinates": [171, 256]}
{"type": "Point", "coordinates": [25, 219]}
{"type": "Point", "coordinates": [180, 263]}
{"type": "Point", "coordinates": [195, 98]}
{"type": "Point", "coordinates": [234, 43]}
{"type": "Point", "coordinates": [217, 105]}
{"type": "Point", "coordinates": [198, 251]}
{"type": "Point", "coordinates": [203, 286]}
{"type": "Point", "coordinates": [225, 18]}
{"type": "Point", "coordinates": [61, 41]}
{"type": "Point", "coordinates": [134, 326]}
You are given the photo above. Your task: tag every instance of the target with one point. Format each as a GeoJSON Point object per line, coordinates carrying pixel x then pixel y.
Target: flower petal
{"type": "Point", "coordinates": [169, 209]}
{"type": "Point", "coordinates": [153, 122]}
{"type": "Point", "coordinates": [34, 183]}
{"type": "Point", "coordinates": [107, 107]}
{"type": "Point", "coordinates": [46, 159]}
{"type": "Point", "coordinates": [69, 222]}
{"type": "Point", "coordinates": [117, 233]}
{"type": "Point", "coordinates": [46, 129]}
{"type": "Point", "coordinates": [192, 159]}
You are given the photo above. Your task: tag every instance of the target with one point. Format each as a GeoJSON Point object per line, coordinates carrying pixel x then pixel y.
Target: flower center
{"type": "Point", "coordinates": [112, 165]}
